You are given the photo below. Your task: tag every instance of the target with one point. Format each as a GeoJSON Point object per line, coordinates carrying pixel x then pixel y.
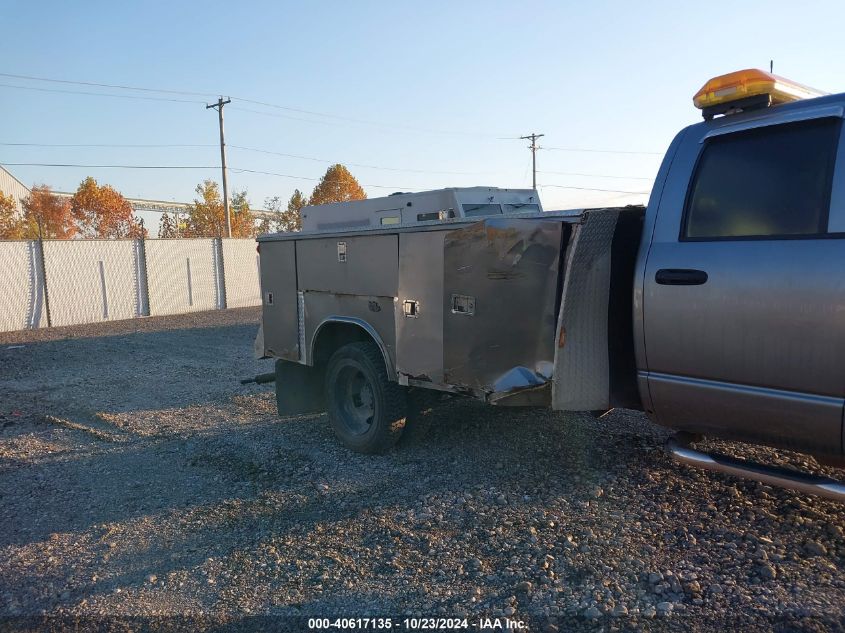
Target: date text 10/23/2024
{"type": "Point", "coordinates": [416, 624]}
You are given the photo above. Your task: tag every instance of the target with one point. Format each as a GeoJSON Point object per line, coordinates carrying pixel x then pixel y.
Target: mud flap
{"type": "Point", "coordinates": [299, 389]}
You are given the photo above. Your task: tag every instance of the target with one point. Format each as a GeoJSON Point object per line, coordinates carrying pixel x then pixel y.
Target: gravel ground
{"type": "Point", "coordinates": [139, 478]}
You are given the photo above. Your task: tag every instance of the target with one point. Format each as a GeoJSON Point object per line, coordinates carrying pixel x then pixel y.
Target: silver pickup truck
{"type": "Point", "coordinates": [719, 309]}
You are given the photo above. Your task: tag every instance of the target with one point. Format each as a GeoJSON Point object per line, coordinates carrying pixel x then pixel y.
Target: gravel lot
{"type": "Point", "coordinates": [139, 478]}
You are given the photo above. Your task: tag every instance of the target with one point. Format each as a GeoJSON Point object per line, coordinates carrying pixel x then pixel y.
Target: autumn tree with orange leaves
{"type": "Point", "coordinates": [11, 223]}
{"type": "Point", "coordinates": [206, 217]}
{"type": "Point", "coordinates": [101, 211]}
{"type": "Point", "coordinates": [47, 214]}
{"type": "Point", "coordinates": [337, 185]}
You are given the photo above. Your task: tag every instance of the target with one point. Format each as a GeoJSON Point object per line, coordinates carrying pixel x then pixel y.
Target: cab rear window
{"type": "Point", "coordinates": [765, 183]}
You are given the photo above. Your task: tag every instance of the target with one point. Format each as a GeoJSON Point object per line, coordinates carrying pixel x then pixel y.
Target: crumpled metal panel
{"type": "Point", "coordinates": [503, 274]}
{"type": "Point", "coordinates": [582, 367]}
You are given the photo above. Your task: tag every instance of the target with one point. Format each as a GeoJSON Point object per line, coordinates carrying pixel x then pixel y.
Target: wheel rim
{"type": "Point", "coordinates": [354, 395]}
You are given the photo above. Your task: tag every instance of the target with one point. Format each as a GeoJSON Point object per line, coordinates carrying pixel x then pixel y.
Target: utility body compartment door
{"type": "Point", "coordinates": [278, 300]}
{"type": "Point", "coordinates": [744, 287]}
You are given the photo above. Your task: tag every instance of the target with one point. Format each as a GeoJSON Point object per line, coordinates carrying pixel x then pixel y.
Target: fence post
{"type": "Point", "coordinates": [143, 280]}
{"type": "Point", "coordinates": [44, 274]}
{"type": "Point", "coordinates": [221, 273]}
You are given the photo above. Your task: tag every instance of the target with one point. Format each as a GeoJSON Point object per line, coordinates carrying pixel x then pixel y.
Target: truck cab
{"type": "Point", "coordinates": [739, 295]}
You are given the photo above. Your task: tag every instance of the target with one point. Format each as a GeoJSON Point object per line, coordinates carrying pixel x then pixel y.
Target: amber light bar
{"type": "Point", "coordinates": [745, 84]}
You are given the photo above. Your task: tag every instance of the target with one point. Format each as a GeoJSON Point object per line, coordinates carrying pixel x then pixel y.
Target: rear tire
{"type": "Point", "coordinates": [367, 411]}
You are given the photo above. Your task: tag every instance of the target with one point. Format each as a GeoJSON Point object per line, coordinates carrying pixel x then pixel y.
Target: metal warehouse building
{"type": "Point", "coordinates": [11, 186]}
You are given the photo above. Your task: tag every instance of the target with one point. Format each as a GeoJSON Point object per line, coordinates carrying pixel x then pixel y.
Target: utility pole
{"type": "Point", "coordinates": [219, 107]}
{"type": "Point", "coordinates": [533, 147]}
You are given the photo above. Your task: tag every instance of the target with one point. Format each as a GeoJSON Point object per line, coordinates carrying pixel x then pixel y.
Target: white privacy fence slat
{"type": "Point", "coordinates": [183, 275]}
{"type": "Point", "coordinates": [102, 280]}
{"type": "Point", "coordinates": [22, 288]}
{"type": "Point", "coordinates": [240, 267]}
{"type": "Point", "coordinates": [91, 281]}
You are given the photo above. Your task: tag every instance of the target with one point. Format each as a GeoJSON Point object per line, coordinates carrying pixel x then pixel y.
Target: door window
{"type": "Point", "coordinates": [768, 182]}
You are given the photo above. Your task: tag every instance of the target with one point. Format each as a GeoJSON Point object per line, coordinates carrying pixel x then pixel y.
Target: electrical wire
{"type": "Point", "coordinates": [136, 145]}
{"type": "Point", "coordinates": [101, 94]}
{"type": "Point", "coordinates": [600, 151]}
{"type": "Point", "coordinates": [111, 166]}
{"type": "Point", "coordinates": [272, 173]}
{"type": "Point", "coordinates": [100, 85]}
{"type": "Point", "coordinates": [363, 166]}
{"type": "Point", "coordinates": [235, 98]}
{"type": "Point", "coordinates": [238, 170]}
{"type": "Point", "coordinates": [276, 115]}
{"type": "Point", "coordinates": [569, 173]}
{"type": "Point", "coordinates": [594, 189]}
{"type": "Point", "coordinates": [266, 104]}
{"type": "Point", "coordinates": [244, 148]}
{"type": "Point", "coordinates": [359, 121]}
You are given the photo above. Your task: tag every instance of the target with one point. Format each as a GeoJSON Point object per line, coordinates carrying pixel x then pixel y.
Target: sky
{"type": "Point", "coordinates": [410, 96]}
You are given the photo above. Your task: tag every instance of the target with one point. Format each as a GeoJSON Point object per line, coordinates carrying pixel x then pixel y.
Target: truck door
{"type": "Point", "coordinates": [744, 287]}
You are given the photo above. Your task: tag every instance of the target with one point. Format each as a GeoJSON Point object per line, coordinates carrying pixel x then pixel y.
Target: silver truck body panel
{"type": "Point", "coordinates": [279, 323]}
{"type": "Point", "coordinates": [509, 268]}
{"type": "Point", "coordinates": [373, 314]}
{"type": "Point", "coordinates": [758, 351]}
{"type": "Point", "coordinates": [366, 265]}
{"type": "Point", "coordinates": [419, 339]}
{"type": "Point", "coordinates": [464, 306]}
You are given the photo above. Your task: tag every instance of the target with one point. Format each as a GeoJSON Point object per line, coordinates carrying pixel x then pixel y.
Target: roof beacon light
{"type": "Point", "coordinates": [746, 90]}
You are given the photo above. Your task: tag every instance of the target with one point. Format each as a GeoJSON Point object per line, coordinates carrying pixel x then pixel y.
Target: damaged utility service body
{"type": "Point", "coordinates": [718, 309]}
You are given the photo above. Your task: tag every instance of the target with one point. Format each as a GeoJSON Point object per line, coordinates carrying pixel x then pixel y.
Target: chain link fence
{"type": "Point", "coordinates": [70, 282]}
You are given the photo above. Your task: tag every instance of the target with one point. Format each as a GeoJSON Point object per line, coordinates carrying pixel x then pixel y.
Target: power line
{"type": "Point", "coordinates": [569, 173]}
{"type": "Point", "coordinates": [275, 106]}
{"type": "Point", "coordinates": [244, 148]}
{"type": "Point", "coordinates": [100, 85]}
{"type": "Point", "coordinates": [236, 98]}
{"type": "Point", "coordinates": [136, 145]}
{"type": "Point", "coordinates": [272, 173]}
{"type": "Point", "coordinates": [235, 169]}
{"type": "Point", "coordinates": [111, 166]}
{"type": "Point", "coordinates": [101, 94]}
{"type": "Point", "coordinates": [282, 116]}
{"type": "Point", "coordinates": [600, 151]}
{"type": "Point", "coordinates": [594, 189]}
{"type": "Point", "coordinates": [364, 166]}
{"type": "Point", "coordinates": [354, 120]}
